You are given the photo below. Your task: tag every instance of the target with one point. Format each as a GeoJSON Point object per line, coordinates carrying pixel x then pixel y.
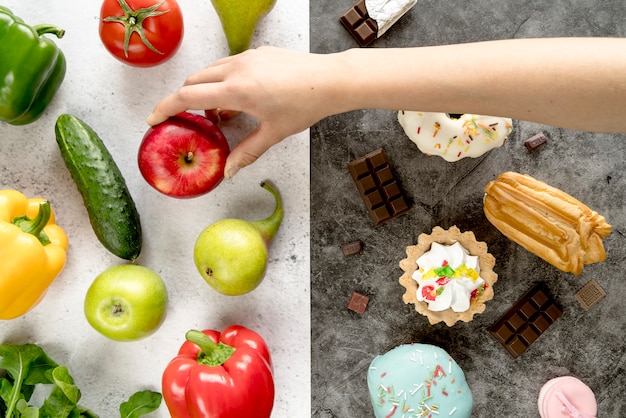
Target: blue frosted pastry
{"type": "Point", "coordinates": [418, 380]}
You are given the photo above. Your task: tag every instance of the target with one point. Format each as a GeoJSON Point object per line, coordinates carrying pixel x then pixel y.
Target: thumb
{"type": "Point", "coordinates": [249, 150]}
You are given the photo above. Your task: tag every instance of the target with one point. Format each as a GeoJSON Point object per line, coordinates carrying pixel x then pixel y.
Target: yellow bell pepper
{"type": "Point", "coordinates": [32, 252]}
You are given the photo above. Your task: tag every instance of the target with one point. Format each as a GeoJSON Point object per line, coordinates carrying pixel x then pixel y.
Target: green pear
{"type": "Point", "coordinates": [231, 254]}
{"type": "Point", "coordinates": [239, 20]}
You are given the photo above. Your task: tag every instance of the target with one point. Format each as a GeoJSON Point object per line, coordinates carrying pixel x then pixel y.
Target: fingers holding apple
{"type": "Point", "coordinates": [220, 115]}
{"type": "Point", "coordinates": [126, 302]}
{"type": "Point", "coordinates": [184, 156]}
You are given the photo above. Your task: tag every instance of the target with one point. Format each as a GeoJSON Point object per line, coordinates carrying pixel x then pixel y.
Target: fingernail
{"type": "Point", "coordinates": [231, 171]}
{"type": "Point", "coordinates": [153, 119]}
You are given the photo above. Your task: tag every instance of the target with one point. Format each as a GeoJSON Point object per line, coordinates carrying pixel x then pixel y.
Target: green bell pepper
{"type": "Point", "coordinates": [32, 68]}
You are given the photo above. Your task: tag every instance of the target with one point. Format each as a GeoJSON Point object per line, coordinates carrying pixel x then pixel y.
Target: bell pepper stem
{"type": "Point", "coordinates": [211, 353]}
{"type": "Point", "coordinates": [36, 225]}
{"type": "Point", "coordinates": [45, 28]}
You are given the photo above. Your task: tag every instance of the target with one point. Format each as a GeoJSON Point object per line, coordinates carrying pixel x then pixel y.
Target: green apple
{"type": "Point", "coordinates": [231, 254]}
{"type": "Point", "coordinates": [126, 302]}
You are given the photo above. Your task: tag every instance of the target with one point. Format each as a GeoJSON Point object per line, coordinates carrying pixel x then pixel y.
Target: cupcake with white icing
{"type": "Point", "coordinates": [448, 275]}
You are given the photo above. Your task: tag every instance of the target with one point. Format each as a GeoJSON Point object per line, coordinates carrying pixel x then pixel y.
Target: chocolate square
{"type": "Point", "coordinates": [352, 248]}
{"type": "Point", "coordinates": [374, 199]}
{"type": "Point", "coordinates": [391, 190]}
{"type": "Point", "coordinates": [504, 333]}
{"type": "Point", "coordinates": [385, 176]}
{"type": "Point", "coordinates": [358, 302]}
{"type": "Point", "coordinates": [535, 141]}
{"type": "Point", "coordinates": [590, 294]}
{"type": "Point", "coordinates": [366, 184]}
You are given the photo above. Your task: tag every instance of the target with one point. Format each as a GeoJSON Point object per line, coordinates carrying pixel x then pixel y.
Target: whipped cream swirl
{"type": "Point", "coordinates": [448, 277]}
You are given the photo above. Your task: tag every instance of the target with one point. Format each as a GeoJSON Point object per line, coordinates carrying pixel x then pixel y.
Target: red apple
{"type": "Point", "coordinates": [184, 156]}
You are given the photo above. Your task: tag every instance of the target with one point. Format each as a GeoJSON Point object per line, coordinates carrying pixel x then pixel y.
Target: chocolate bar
{"type": "Point", "coordinates": [358, 302]}
{"type": "Point", "coordinates": [378, 187]}
{"type": "Point", "coordinates": [526, 320]}
{"type": "Point", "coordinates": [535, 141]}
{"type": "Point", "coordinates": [590, 294]}
{"type": "Point", "coordinates": [367, 20]}
{"type": "Point", "coordinates": [351, 248]}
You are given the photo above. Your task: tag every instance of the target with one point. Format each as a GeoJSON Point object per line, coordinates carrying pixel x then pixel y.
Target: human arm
{"type": "Point", "coordinates": [282, 89]}
{"type": "Point", "coordinates": [575, 83]}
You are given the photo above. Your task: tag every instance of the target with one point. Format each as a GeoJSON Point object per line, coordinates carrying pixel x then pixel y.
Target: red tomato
{"type": "Point", "coordinates": [142, 33]}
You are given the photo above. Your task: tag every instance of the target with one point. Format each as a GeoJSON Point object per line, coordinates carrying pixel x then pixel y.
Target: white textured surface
{"type": "Point", "coordinates": [115, 99]}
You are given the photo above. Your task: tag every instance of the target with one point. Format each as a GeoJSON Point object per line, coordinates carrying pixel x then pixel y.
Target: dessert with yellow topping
{"type": "Point", "coordinates": [448, 275]}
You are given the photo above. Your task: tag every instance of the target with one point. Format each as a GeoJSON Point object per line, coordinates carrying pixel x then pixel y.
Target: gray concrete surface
{"type": "Point", "coordinates": [587, 344]}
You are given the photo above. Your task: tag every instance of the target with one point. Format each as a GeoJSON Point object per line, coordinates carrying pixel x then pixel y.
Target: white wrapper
{"type": "Point", "coordinates": [387, 12]}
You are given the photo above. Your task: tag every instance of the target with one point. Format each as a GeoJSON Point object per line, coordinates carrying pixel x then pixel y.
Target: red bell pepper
{"type": "Point", "coordinates": [225, 375]}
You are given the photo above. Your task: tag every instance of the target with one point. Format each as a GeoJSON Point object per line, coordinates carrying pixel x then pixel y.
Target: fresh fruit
{"type": "Point", "coordinates": [240, 19]}
{"type": "Point", "coordinates": [231, 254]}
{"type": "Point", "coordinates": [108, 201]}
{"type": "Point", "coordinates": [126, 302]}
{"type": "Point", "coordinates": [184, 156]}
{"type": "Point", "coordinates": [142, 33]}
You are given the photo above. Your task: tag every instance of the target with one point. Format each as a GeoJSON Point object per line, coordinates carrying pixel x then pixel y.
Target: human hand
{"type": "Point", "coordinates": [282, 89]}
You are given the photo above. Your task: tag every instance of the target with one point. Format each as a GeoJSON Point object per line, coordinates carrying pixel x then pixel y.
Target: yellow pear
{"type": "Point", "coordinates": [239, 20]}
{"type": "Point", "coordinates": [232, 254]}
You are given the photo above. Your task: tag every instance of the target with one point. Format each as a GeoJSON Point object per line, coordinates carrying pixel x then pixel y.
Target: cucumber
{"type": "Point", "coordinates": [110, 206]}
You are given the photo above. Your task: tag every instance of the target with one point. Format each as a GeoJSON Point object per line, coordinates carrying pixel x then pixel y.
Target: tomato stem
{"type": "Point", "coordinates": [133, 23]}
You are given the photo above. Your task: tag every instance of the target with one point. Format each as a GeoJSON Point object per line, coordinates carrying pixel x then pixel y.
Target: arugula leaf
{"type": "Point", "coordinates": [6, 388]}
{"type": "Point", "coordinates": [140, 403]}
{"type": "Point", "coordinates": [63, 399]}
{"type": "Point", "coordinates": [22, 367]}
{"type": "Point", "coordinates": [25, 410]}
{"type": "Point", "coordinates": [18, 360]}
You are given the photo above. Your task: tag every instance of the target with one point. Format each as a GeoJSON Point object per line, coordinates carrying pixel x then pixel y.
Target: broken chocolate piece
{"type": "Point", "coordinates": [367, 20]}
{"type": "Point", "coordinates": [378, 187]}
{"type": "Point", "coordinates": [351, 248]}
{"type": "Point", "coordinates": [526, 320]}
{"type": "Point", "coordinates": [360, 25]}
{"type": "Point", "coordinates": [358, 302]}
{"type": "Point", "coordinates": [535, 141]}
{"type": "Point", "coordinates": [590, 294]}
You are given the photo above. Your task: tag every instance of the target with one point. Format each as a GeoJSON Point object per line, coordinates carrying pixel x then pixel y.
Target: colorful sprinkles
{"type": "Point", "coordinates": [444, 275]}
{"type": "Point", "coordinates": [419, 400]}
{"type": "Point", "coordinates": [454, 138]}
{"type": "Point", "coordinates": [471, 129]}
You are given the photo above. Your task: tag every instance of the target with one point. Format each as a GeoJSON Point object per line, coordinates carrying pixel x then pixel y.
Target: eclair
{"type": "Point", "coordinates": [546, 221]}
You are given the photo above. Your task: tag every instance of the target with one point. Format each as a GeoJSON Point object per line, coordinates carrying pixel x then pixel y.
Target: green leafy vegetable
{"type": "Point", "coordinates": [22, 367]}
{"type": "Point", "coordinates": [140, 403]}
